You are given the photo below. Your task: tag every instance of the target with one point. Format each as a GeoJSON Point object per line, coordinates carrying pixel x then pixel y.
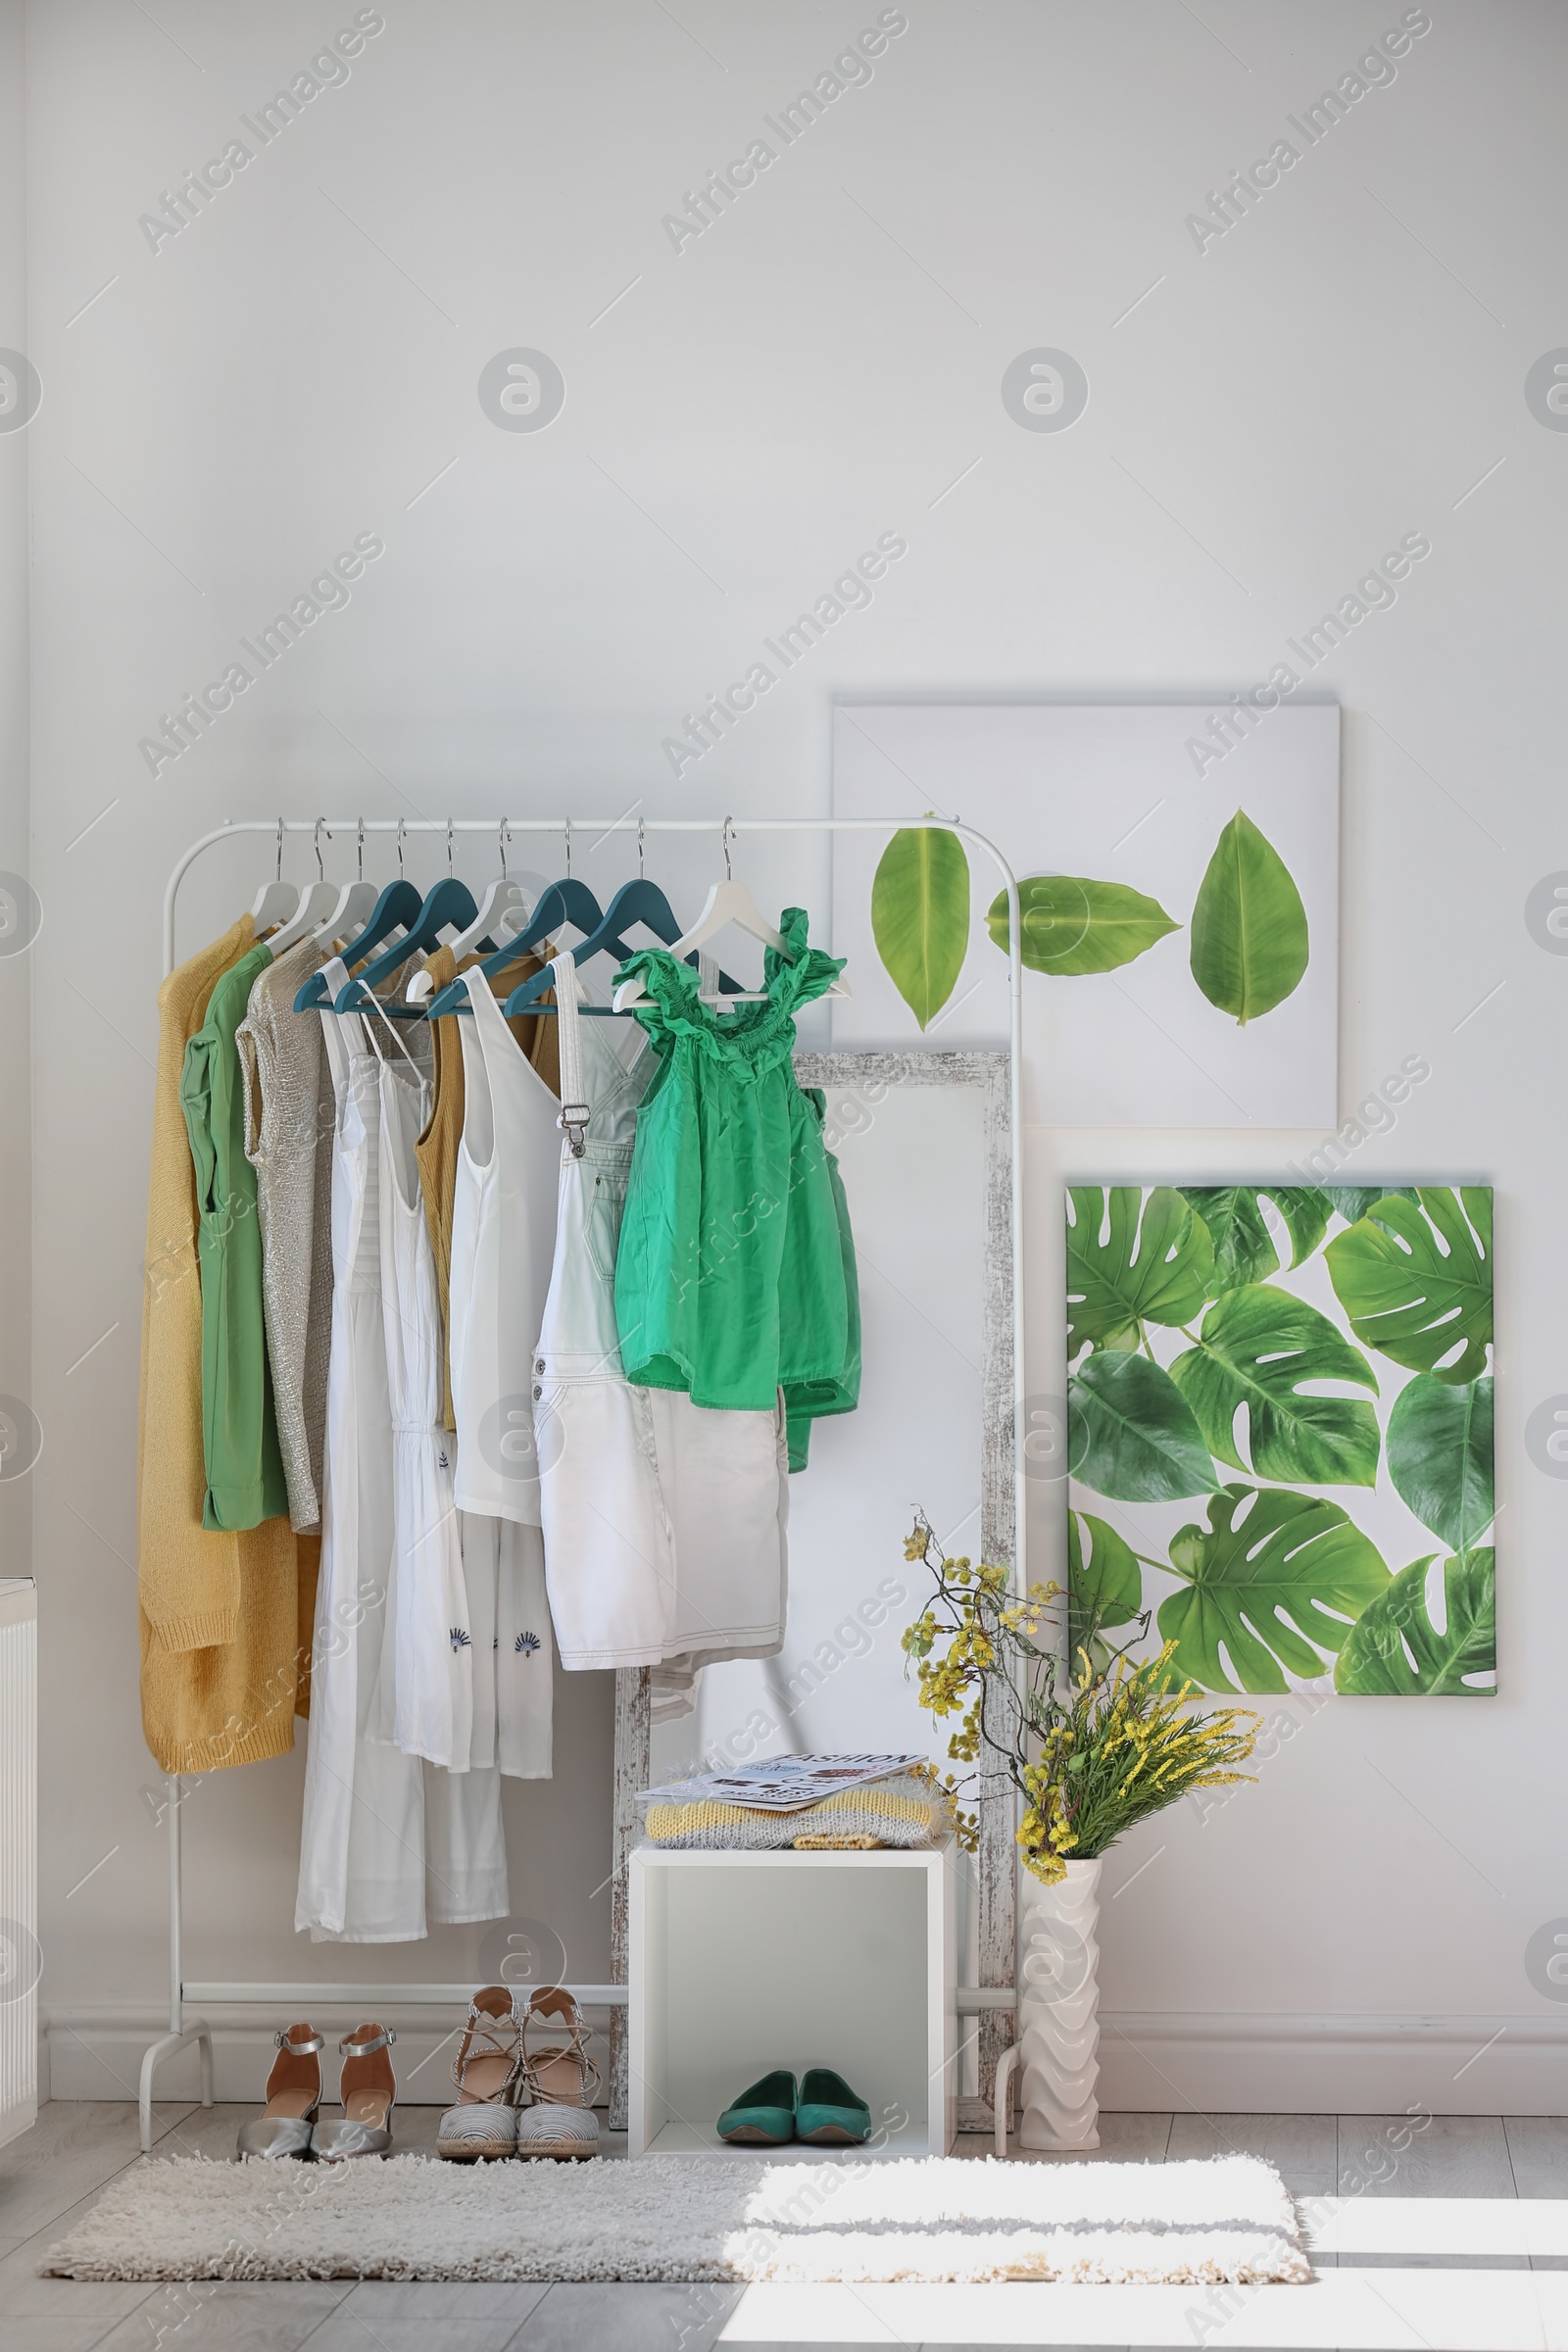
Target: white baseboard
{"type": "Point", "coordinates": [1260, 2062]}
{"type": "Point", "coordinates": [1327, 2064]}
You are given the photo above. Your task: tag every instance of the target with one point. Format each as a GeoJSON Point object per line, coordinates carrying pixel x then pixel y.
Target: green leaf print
{"type": "Point", "coordinates": [1440, 1456]}
{"type": "Point", "coordinates": [1256, 1347]}
{"type": "Point", "coordinates": [1132, 1258]}
{"type": "Point", "coordinates": [1395, 1652]}
{"type": "Point", "coordinates": [1274, 1577]}
{"type": "Point", "coordinates": [1130, 1434]}
{"type": "Point", "coordinates": [1249, 937]}
{"type": "Point", "coordinates": [920, 915]}
{"type": "Point", "coordinates": [1071, 925]}
{"type": "Point", "coordinates": [1415, 1279]}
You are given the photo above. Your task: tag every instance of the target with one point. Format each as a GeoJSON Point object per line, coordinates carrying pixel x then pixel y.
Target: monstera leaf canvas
{"type": "Point", "coordinates": [1279, 1409]}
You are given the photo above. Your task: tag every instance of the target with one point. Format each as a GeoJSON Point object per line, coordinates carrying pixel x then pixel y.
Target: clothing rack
{"type": "Point", "coordinates": [633, 1719]}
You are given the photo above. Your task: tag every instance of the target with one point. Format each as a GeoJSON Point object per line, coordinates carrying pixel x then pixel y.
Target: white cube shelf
{"type": "Point", "coordinates": [743, 1962]}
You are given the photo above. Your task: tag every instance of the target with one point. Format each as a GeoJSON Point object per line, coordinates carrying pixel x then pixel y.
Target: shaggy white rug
{"type": "Point", "coordinates": [692, 2218]}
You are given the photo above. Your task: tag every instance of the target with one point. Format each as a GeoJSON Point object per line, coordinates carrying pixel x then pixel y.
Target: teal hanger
{"type": "Point", "coordinates": [639, 902]}
{"type": "Point", "coordinates": [451, 903]}
{"type": "Point", "coordinates": [565, 902]}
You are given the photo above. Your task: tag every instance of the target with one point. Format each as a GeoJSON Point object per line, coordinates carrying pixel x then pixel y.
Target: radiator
{"type": "Point", "coordinates": [19, 1856]}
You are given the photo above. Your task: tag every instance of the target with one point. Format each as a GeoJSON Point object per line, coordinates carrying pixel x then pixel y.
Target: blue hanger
{"type": "Point", "coordinates": [449, 902]}
{"type": "Point", "coordinates": [639, 902]}
{"type": "Point", "coordinates": [565, 902]}
{"type": "Point", "coordinates": [398, 904]}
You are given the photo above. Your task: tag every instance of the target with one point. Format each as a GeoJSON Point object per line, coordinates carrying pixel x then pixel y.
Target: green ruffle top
{"type": "Point", "coordinates": [735, 1273]}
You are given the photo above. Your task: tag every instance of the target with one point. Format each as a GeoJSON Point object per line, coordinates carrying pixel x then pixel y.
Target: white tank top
{"type": "Point", "coordinates": [503, 1242]}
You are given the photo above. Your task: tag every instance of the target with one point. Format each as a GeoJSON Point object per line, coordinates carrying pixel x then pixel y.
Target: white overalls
{"type": "Point", "coordinates": [503, 1233]}
{"type": "Point", "coordinates": [663, 1522]}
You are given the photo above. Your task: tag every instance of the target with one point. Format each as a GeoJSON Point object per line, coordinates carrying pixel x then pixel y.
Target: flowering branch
{"type": "Point", "coordinates": [1091, 1755]}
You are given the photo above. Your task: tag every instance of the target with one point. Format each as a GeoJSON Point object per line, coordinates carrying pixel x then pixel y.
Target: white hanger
{"type": "Point", "coordinates": [315, 903]}
{"type": "Point", "coordinates": [728, 902]}
{"type": "Point", "coordinates": [505, 904]}
{"type": "Point", "coordinates": [504, 909]}
{"type": "Point", "coordinates": [354, 904]}
{"type": "Point", "coordinates": [276, 901]}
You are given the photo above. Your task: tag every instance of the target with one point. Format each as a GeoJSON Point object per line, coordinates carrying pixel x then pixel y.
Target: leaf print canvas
{"type": "Point", "coordinates": [1280, 1433]}
{"type": "Point", "coordinates": [1178, 885]}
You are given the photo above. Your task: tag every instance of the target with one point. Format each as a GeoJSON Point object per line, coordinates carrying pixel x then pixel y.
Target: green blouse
{"type": "Point", "coordinates": [245, 1482]}
{"type": "Point", "coordinates": [730, 1274]}
{"type": "Point", "coordinates": [808, 1400]}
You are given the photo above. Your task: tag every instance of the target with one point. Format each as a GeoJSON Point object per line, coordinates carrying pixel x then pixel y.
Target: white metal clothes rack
{"type": "Point", "coordinates": [632, 1707]}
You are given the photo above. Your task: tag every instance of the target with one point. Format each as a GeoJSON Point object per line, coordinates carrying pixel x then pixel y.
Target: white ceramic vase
{"type": "Point", "coordinates": [1059, 2009]}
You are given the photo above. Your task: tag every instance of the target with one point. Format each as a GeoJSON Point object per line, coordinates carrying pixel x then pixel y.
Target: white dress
{"type": "Point", "coordinates": [373, 1816]}
{"type": "Point", "coordinates": [503, 1236]}
{"type": "Point", "coordinates": [663, 1520]}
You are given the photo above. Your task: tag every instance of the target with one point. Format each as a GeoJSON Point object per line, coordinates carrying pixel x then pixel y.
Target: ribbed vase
{"type": "Point", "coordinates": [1059, 2009]}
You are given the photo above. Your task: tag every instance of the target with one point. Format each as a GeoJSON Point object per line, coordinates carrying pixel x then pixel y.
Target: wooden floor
{"type": "Point", "coordinates": [1454, 2238]}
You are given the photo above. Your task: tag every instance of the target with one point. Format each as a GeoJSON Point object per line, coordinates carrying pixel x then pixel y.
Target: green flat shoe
{"type": "Point", "coordinates": [828, 2112]}
{"type": "Point", "coordinates": [764, 2115]}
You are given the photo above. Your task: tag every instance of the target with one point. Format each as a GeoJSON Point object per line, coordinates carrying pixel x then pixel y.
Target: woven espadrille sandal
{"type": "Point", "coordinates": [487, 2071]}
{"type": "Point", "coordinates": [560, 2078]}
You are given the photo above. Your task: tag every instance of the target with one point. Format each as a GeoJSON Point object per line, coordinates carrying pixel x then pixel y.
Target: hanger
{"type": "Point", "coordinates": [277, 900]}
{"type": "Point", "coordinates": [639, 902]}
{"type": "Point", "coordinates": [728, 902]}
{"type": "Point", "coordinates": [567, 900]}
{"type": "Point", "coordinates": [314, 901]}
{"type": "Point", "coordinates": [449, 907]}
{"type": "Point", "coordinates": [504, 908]}
{"type": "Point", "coordinates": [356, 903]}
{"type": "Point", "coordinates": [396, 908]}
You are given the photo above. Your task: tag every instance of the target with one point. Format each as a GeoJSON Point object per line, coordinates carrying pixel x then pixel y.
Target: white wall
{"type": "Point", "coordinates": [300, 365]}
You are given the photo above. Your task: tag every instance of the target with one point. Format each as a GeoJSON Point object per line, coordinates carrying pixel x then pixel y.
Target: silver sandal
{"type": "Point", "coordinates": [368, 2091]}
{"type": "Point", "coordinates": [293, 2097]}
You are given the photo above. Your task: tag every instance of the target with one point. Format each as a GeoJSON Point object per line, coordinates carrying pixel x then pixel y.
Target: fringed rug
{"type": "Point", "coordinates": [693, 2218]}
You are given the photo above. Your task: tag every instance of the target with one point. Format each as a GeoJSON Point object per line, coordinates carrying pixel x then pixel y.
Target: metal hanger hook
{"type": "Point", "coordinates": [361, 828]}
{"type": "Point", "coordinates": [280, 849]}
{"type": "Point", "coordinates": [402, 829]}
{"type": "Point", "coordinates": [502, 836]}
{"type": "Point", "coordinates": [568, 848]}
{"type": "Point", "coordinates": [315, 844]}
{"type": "Point", "coordinates": [728, 832]}
{"type": "Point", "coordinates": [449, 845]}
{"type": "Point", "coordinates": [640, 828]}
